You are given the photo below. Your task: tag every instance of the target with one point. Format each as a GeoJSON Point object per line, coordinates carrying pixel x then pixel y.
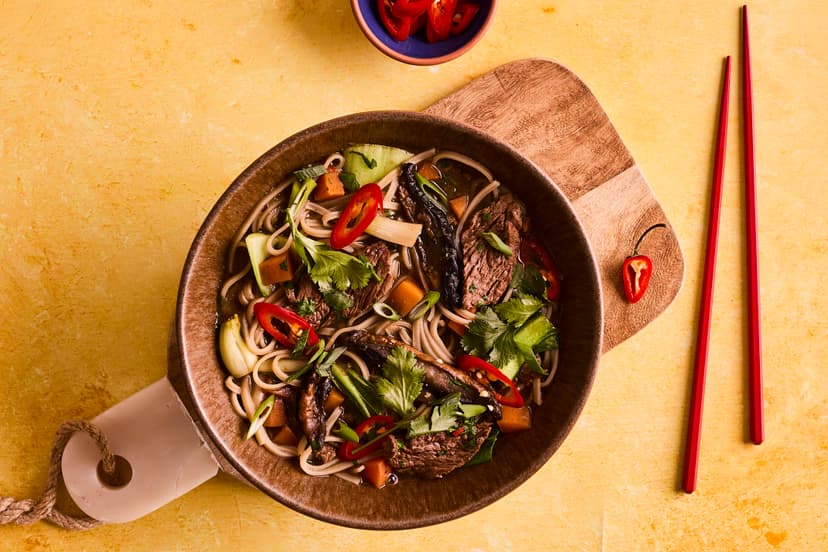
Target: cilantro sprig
{"type": "Point", "coordinates": [510, 334]}
{"type": "Point", "coordinates": [327, 267]}
{"type": "Point", "coordinates": [401, 381]}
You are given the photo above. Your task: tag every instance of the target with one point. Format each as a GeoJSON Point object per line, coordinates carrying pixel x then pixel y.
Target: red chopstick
{"type": "Point", "coordinates": [757, 431]}
{"type": "Point", "coordinates": [691, 453]}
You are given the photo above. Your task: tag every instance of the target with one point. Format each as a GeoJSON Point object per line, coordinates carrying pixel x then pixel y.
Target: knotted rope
{"type": "Point", "coordinates": [28, 511]}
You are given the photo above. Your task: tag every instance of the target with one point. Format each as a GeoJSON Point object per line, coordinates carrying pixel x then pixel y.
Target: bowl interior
{"type": "Point", "coordinates": [412, 503]}
{"type": "Point", "coordinates": [416, 49]}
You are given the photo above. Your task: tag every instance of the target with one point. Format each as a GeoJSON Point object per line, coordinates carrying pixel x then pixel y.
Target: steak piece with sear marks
{"type": "Point", "coordinates": [488, 272]}
{"type": "Point", "coordinates": [435, 454]}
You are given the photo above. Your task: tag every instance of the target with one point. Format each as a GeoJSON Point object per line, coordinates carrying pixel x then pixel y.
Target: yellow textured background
{"type": "Point", "coordinates": [122, 122]}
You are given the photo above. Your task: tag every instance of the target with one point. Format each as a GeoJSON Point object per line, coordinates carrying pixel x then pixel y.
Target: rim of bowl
{"type": "Point", "coordinates": [414, 60]}
{"type": "Point", "coordinates": [215, 439]}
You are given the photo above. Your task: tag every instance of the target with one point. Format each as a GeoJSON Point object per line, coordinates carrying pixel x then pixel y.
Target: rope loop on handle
{"type": "Point", "coordinates": [28, 511]}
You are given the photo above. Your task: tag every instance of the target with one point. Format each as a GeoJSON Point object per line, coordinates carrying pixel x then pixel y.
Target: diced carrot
{"type": "Point", "coordinates": [276, 269]}
{"type": "Point", "coordinates": [458, 205]}
{"type": "Point", "coordinates": [429, 171]}
{"type": "Point", "coordinates": [403, 297]}
{"type": "Point", "coordinates": [277, 416]}
{"type": "Point", "coordinates": [286, 437]}
{"type": "Point", "coordinates": [335, 398]}
{"type": "Point", "coordinates": [515, 419]}
{"type": "Point", "coordinates": [456, 327]}
{"type": "Point", "coordinates": [376, 472]}
{"type": "Point", "coordinates": [328, 186]}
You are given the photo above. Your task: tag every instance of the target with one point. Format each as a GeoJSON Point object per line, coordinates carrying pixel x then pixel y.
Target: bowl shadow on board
{"type": "Point", "coordinates": [197, 374]}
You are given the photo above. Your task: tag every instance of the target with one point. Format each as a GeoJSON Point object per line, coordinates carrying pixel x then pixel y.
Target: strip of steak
{"type": "Point", "coordinates": [379, 256]}
{"type": "Point", "coordinates": [439, 376]}
{"type": "Point", "coordinates": [305, 290]}
{"type": "Point", "coordinates": [488, 272]}
{"type": "Point", "coordinates": [435, 454]}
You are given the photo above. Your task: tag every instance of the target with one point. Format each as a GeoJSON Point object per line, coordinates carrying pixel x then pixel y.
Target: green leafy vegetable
{"type": "Point", "coordinates": [443, 417]}
{"type": "Point", "coordinates": [497, 243]}
{"type": "Point", "coordinates": [509, 335]}
{"type": "Point", "coordinates": [401, 381]}
{"type": "Point", "coordinates": [339, 301]}
{"type": "Point", "coordinates": [349, 181]}
{"type": "Point", "coordinates": [528, 280]}
{"type": "Point", "coordinates": [518, 310]}
{"type": "Point", "coordinates": [305, 307]}
{"type": "Point", "coordinates": [326, 267]}
{"type": "Point", "coordinates": [486, 449]}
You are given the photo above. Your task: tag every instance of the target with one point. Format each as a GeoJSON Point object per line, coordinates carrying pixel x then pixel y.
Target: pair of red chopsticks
{"type": "Point", "coordinates": [754, 351]}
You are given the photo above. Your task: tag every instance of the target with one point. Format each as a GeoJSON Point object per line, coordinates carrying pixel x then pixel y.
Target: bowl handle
{"type": "Point", "coordinates": [153, 432]}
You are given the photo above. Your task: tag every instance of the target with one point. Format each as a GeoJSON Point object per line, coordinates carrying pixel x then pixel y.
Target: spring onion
{"type": "Point", "coordinates": [386, 311]}
{"type": "Point", "coordinates": [497, 243]}
{"type": "Point", "coordinates": [310, 173]}
{"type": "Point", "coordinates": [431, 188]}
{"type": "Point", "coordinates": [260, 416]}
{"type": "Point", "coordinates": [426, 304]}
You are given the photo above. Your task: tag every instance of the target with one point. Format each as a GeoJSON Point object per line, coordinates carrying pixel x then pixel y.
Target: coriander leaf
{"type": "Point", "coordinates": [443, 417]}
{"type": "Point", "coordinates": [418, 426]}
{"type": "Point", "coordinates": [505, 353]}
{"type": "Point", "coordinates": [518, 310]}
{"type": "Point", "coordinates": [339, 301]}
{"type": "Point", "coordinates": [486, 449]}
{"type": "Point", "coordinates": [305, 307]}
{"type": "Point", "coordinates": [529, 280]}
{"type": "Point", "coordinates": [331, 268]}
{"type": "Point", "coordinates": [349, 181]}
{"type": "Point", "coordinates": [401, 381]}
{"type": "Point", "coordinates": [482, 332]}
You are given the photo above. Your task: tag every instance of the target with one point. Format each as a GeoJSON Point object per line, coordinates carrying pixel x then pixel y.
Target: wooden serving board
{"type": "Point", "coordinates": [546, 112]}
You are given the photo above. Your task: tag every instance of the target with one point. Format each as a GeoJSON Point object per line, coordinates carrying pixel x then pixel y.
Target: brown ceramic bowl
{"type": "Point", "coordinates": [198, 377]}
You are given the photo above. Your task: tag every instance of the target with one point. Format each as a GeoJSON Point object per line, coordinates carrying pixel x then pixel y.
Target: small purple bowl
{"type": "Point", "coordinates": [416, 50]}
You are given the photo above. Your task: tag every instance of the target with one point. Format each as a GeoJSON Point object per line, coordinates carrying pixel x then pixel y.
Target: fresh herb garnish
{"type": "Point", "coordinates": [528, 279]}
{"type": "Point", "coordinates": [401, 381]}
{"type": "Point", "coordinates": [349, 181]}
{"type": "Point", "coordinates": [305, 307]}
{"type": "Point", "coordinates": [326, 267]}
{"type": "Point", "coordinates": [510, 334]}
{"type": "Point", "coordinates": [339, 301]}
{"type": "Point", "coordinates": [443, 417]}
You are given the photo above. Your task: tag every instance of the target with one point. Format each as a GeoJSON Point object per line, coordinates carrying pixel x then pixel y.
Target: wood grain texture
{"type": "Point", "coordinates": [545, 111]}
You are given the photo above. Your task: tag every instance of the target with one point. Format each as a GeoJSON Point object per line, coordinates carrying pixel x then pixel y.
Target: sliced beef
{"type": "Point", "coordinates": [488, 272]}
{"type": "Point", "coordinates": [435, 454]}
{"type": "Point", "coordinates": [439, 376]}
{"type": "Point", "coordinates": [379, 256]}
{"type": "Point", "coordinates": [439, 255]}
{"type": "Point", "coordinates": [305, 290]}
